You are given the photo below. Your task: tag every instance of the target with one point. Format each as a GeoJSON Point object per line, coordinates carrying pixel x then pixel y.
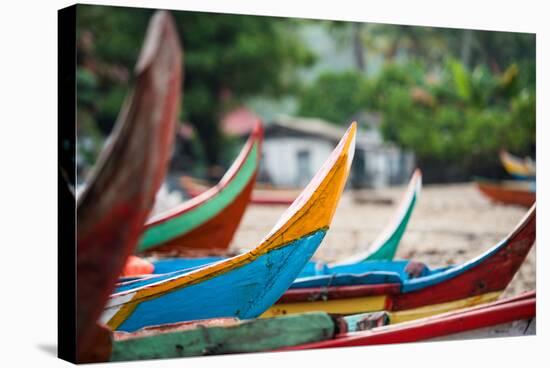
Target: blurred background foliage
{"type": "Point", "coordinates": [454, 97]}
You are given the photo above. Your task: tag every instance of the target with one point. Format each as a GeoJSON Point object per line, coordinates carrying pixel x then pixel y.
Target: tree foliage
{"type": "Point", "coordinates": [455, 121]}
{"type": "Point", "coordinates": [226, 59]}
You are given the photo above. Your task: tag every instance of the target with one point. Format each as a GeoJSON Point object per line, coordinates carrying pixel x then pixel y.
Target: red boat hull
{"type": "Point", "coordinates": [492, 274]}
{"type": "Point", "coordinates": [214, 236]}
{"type": "Point", "coordinates": [507, 195]}
{"type": "Point", "coordinates": [113, 208]}
{"type": "Point", "coordinates": [523, 307]}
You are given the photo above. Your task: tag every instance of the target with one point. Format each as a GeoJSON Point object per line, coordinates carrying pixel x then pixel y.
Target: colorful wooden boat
{"type": "Point", "coordinates": [113, 207]}
{"type": "Point", "coordinates": [246, 285]}
{"type": "Point", "coordinates": [230, 335]}
{"type": "Point", "coordinates": [222, 336]}
{"type": "Point", "coordinates": [509, 192]}
{"type": "Point", "coordinates": [479, 280]}
{"type": "Point", "coordinates": [383, 247]}
{"type": "Point", "coordinates": [512, 317]}
{"type": "Point", "coordinates": [517, 167]}
{"type": "Point", "coordinates": [207, 222]}
{"type": "Point", "coordinates": [261, 194]}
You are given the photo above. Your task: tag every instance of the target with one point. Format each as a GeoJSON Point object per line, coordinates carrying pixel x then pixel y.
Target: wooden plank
{"type": "Point", "coordinates": [244, 337]}
{"type": "Point", "coordinates": [337, 292]}
{"type": "Point", "coordinates": [337, 306]}
{"type": "Point", "coordinates": [363, 321]}
{"type": "Point", "coordinates": [114, 206]}
{"type": "Point", "coordinates": [434, 309]}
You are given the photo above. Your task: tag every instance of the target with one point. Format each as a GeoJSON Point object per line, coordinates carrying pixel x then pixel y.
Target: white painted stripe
{"type": "Point", "coordinates": [113, 306]}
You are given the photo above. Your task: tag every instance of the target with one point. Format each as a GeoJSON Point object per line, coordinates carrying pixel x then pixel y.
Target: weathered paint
{"type": "Point", "coordinates": [216, 212]}
{"type": "Point", "coordinates": [245, 285]}
{"type": "Point", "coordinates": [338, 306]}
{"type": "Point", "coordinates": [491, 271]}
{"type": "Point", "coordinates": [243, 292]}
{"type": "Point", "coordinates": [363, 273]}
{"type": "Point", "coordinates": [338, 292]}
{"type": "Point", "coordinates": [379, 303]}
{"type": "Point", "coordinates": [113, 207]}
{"type": "Point", "coordinates": [447, 324]}
{"type": "Point", "coordinates": [476, 281]}
{"type": "Point", "coordinates": [488, 273]}
{"type": "Point", "coordinates": [363, 321]}
{"type": "Point", "coordinates": [314, 274]}
{"type": "Point", "coordinates": [244, 337]}
{"type": "Point", "coordinates": [430, 310]}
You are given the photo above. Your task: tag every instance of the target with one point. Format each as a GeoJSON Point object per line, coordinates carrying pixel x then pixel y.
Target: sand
{"type": "Point", "coordinates": [450, 224]}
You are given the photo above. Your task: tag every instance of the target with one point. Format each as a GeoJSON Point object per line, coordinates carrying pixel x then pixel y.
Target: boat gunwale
{"type": "Point", "coordinates": [468, 319]}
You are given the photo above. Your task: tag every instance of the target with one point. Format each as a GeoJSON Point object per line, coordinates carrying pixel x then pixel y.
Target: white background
{"type": "Point", "coordinates": [28, 202]}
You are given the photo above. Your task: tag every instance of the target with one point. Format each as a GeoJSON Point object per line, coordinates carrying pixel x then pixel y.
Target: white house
{"type": "Point", "coordinates": [295, 148]}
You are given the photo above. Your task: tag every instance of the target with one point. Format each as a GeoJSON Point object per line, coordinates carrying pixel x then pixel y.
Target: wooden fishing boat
{"type": "Point", "coordinates": [113, 207]}
{"type": "Point", "coordinates": [246, 285]}
{"type": "Point", "coordinates": [207, 222]}
{"type": "Point", "coordinates": [231, 335]}
{"type": "Point", "coordinates": [261, 194]}
{"type": "Point", "coordinates": [382, 248]}
{"type": "Point", "coordinates": [517, 167]}
{"type": "Point", "coordinates": [221, 336]}
{"type": "Point", "coordinates": [512, 317]}
{"type": "Point", "coordinates": [509, 192]}
{"type": "Point", "coordinates": [389, 287]}
{"type": "Point", "coordinates": [397, 288]}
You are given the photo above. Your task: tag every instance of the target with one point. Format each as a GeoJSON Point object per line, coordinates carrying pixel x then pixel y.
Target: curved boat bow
{"type": "Point", "coordinates": [383, 248]}
{"type": "Point", "coordinates": [113, 208]}
{"type": "Point", "coordinates": [246, 285]}
{"type": "Point", "coordinates": [515, 166]}
{"type": "Point", "coordinates": [385, 245]}
{"type": "Point", "coordinates": [387, 286]}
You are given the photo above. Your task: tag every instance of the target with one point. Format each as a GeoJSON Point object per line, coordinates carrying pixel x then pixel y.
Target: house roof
{"type": "Point", "coordinates": [314, 127]}
{"type": "Point", "coordinates": [239, 121]}
{"type": "Point", "coordinates": [308, 126]}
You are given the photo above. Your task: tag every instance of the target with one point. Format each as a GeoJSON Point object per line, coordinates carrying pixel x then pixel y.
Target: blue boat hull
{"type": "Point", "coordinates": [245, 292]}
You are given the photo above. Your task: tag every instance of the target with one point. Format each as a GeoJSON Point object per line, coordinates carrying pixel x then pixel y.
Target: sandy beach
{"type": "Point", "coordinates": [450, 224]}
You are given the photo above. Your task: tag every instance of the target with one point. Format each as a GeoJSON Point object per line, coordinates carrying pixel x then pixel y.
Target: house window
{"type": "Point", "coordinates": [304, 167]}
